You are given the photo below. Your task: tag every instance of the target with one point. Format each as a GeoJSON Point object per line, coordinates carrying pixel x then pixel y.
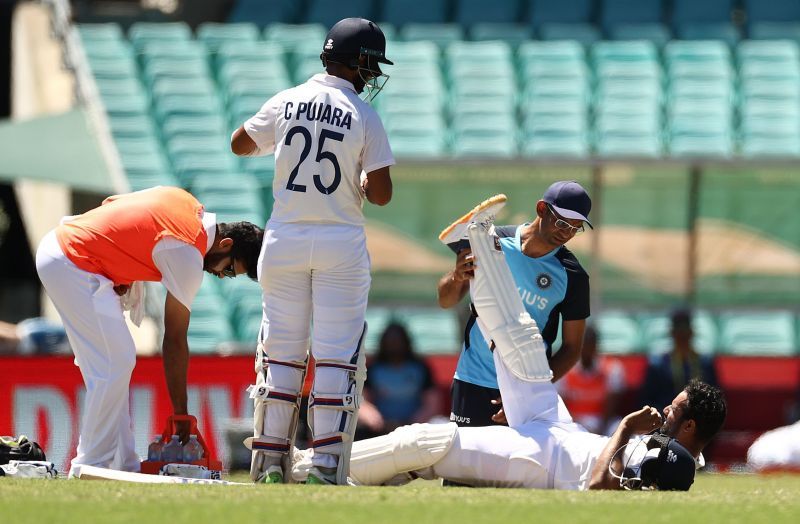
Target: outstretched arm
{"type": "Point", "coordinates": [570, 351]}
{"type": "Point", "coordinates": [176, 355]}
{"type": "Point", "coordinates": [637, 423]}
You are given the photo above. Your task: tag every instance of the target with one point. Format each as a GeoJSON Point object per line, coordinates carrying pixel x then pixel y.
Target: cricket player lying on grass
{"type": "Point", "coordinates": [542, 447]}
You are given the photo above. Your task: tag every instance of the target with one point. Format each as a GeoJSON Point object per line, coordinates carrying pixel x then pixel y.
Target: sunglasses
{"type": "Point", "coordinates": [563, 224]}
{"type": "Point", "coordinates": [230, 271]}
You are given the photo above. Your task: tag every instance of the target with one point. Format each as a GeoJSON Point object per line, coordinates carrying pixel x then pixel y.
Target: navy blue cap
{"type": "Point", "coordinates": [570, 200]}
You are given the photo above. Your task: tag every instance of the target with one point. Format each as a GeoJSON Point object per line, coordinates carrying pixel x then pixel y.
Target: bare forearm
{"type": "Point", "coordinates": [601, 476]}
{"type": "Point", "coordinates": [450, 291]}
{"type": "Point", "coordinates": [564, 359]}
{"type": "Point", "coordinates": [176, 365]}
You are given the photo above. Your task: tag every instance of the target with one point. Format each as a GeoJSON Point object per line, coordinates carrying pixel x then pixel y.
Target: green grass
{"type": "Point", "coordinates": [714, 498]}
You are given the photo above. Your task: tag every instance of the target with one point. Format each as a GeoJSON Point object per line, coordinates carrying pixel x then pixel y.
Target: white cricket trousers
{"type": "Point", "coordinates": [319, 273]}
{"type": "Point", "coordinates": [518, 456]}
{"type": "Point", "coordinates": [316, 273]}
{"type": "Point", "coordinates": [104, 352]}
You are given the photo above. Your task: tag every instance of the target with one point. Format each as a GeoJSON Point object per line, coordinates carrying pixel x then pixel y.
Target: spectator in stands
{"type": "Point", "coordinates": [399, 389]}
{"type": "Point", "coordinates": [668, 373]}
{"type": "Point", "coordinates": [592, 389]}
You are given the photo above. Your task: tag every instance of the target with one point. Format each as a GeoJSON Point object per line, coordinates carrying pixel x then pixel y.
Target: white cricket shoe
{"type": "Point", "coordinates": [484, 213]}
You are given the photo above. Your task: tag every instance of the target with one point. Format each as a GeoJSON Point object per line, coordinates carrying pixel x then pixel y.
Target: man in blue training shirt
{"type": "Point", "coordinates": [550, 281]}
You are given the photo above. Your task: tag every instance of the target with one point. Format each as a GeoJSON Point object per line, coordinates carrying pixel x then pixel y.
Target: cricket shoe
{"type": "Point", "coordinates": [273, 475]}
{"type": "Point", "coordinates": [454, 236]}
{"type": "Point", "coordinates": [321, 476]}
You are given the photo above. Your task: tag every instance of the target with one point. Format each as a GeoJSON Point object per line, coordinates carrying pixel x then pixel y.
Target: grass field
{"type": "Point", "coordinates": [714, 498]}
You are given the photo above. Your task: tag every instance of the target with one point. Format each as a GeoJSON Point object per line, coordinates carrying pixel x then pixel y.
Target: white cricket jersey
{"type": "Point", "coordinates": [323, 136]}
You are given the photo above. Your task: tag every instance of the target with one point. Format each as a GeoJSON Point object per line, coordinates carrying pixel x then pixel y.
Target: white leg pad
{"type": "Point", "coordinates": [502, 317]}
{"type": "Point", "coordinates": [268, 441]}
{"type": "Point", "coordinates": [379, 460]}
{"type": "Point", "coordinates": [339, 440]}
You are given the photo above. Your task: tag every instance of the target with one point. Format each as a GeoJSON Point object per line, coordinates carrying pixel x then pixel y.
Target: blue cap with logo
{"type": "Point", "coordinates": [570, 200]}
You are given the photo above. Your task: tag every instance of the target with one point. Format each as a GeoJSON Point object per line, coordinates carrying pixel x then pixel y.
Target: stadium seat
{"type": "Point", "coordinates": [132, 126]}
{"type": "Point", "coordinates": [585, 34]}
{"type": "Point", "coordinates": [432, 330]}
{"type": "Point", "coordinates": [540, 12]}
{"type": "Point", "coordinates": [658, 34]}
{"type": "Point", "coordinates": [771, 10]}
{"type": "Point", "coordinates": [723, 31]}
{"type": "Point", "coordinates": [263, 14]}
{"type": "Point", "coordinates": [291, 36]}
{"type": "Point", "coordinates": [555, 136]}
{"type": "Point", "coordinates": [761, 333]}
{"type": "Point", "coordinates": [144, 33]}
{"type": "Point", "coordinates": [440, 34]}
{"type": "Point", "coordinates": [401, 12]}
{"type": "Point", "coordinates": [656, 337]}
{"type": "Point", "coordinates": [214, 35]}
{"type": "Point", "coordinates": [618, 12]}
{"type": "Point", "coordinates": [618, 333]}
{"type": "Point", "coordinates": [707, 11]}
{"type": "Point", "coordinates": [471, 12]}
{"type": "Point", "coordinates": [94, 34]}
{"type": "Point", "coordinates": [775, 31]}
{"type": "Point", "coordinates": [769, 98]}
{"type": "Point", "coordinates": [512, 34]}
{"type": "Point", "coordinates": [328, 13]}
{"type": "Point", "coordinates": [209, 325]}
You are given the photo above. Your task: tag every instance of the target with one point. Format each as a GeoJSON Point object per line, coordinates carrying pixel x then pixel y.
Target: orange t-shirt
{"type": "Point", "coordinates": [116, 240]}
{"type": "Point", "coordinates": [585, 393]}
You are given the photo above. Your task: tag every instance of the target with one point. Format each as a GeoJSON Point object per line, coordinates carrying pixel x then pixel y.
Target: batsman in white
{"type": "Point", "coordinates": [331, 151]}
{"type": "Point", "coordinates": [542, 447]}
{"type": "Point", "coordinates": [93, 265]}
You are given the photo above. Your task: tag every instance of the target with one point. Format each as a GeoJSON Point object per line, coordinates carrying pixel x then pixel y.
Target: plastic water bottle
{"type": "Point", "coordinates": [173, 451]}
{"type": "Point", "coordinates": [192, 450]}
{"type": "Point", "coordinates": [154, 450]}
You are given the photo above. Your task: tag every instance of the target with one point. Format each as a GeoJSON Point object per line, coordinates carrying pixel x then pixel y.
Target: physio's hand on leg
{"type": "Point", "coordinates": [500, 416]}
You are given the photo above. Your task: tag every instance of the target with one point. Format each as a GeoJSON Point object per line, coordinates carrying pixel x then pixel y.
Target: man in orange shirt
{"type": "Point", "coordinates": [90, 264]}
{"type": "Point", "coordinates": [592, 389]}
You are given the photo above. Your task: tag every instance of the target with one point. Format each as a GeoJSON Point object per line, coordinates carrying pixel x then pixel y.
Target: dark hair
{"type": "Point", "coordinates": [391, 329]}
{"type": "Point", "coordinates": [681, 318]}
{"type": "Point", "coordinates": [247, 238]}
{"type": "Point", "coordinates": [705, 405]}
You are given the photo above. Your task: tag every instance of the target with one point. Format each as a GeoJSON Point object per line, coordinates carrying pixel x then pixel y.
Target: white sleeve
{"type": "Point", "coordinates": [181, 267]}
{"type": "Point", "coordinates": [377, 153]}
{"type": "Point", "coordinates": [261, 126]}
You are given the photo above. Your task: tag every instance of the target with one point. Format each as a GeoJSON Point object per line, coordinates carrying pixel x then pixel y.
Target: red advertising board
{"type": "Point", "coordinates": [41, 398]}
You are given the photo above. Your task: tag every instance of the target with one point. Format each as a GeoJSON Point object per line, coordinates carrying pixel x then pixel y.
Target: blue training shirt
{"type": "Point", "coordinates": [552, 285]}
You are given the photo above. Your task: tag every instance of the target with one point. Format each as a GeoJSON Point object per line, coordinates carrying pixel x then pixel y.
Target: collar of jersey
{"type": "Point", "coordinates": [518, 242]}
{"type": "Point", "coordinates": [210, 225]}
{"type": "Point", "coordinates": [333, 81]}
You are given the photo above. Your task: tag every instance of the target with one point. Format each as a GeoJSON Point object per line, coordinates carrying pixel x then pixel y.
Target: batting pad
{"type": "Point", "coordinates": [502, 317]}
{"type": "Point", "coordinates": [83, 472]}
{"type": "Point", "coordinates": [378, 460]}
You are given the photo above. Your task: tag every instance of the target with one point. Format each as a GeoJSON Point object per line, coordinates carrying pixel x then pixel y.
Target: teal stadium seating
{"type": "Point", "coordinates": [463, 86]}
{"type": "Point", "coordinates": [618, 333]}
{"type": "Point", "coordinates": [758, 333]}
{"type": "Point", "coordinates": [656, 337]}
